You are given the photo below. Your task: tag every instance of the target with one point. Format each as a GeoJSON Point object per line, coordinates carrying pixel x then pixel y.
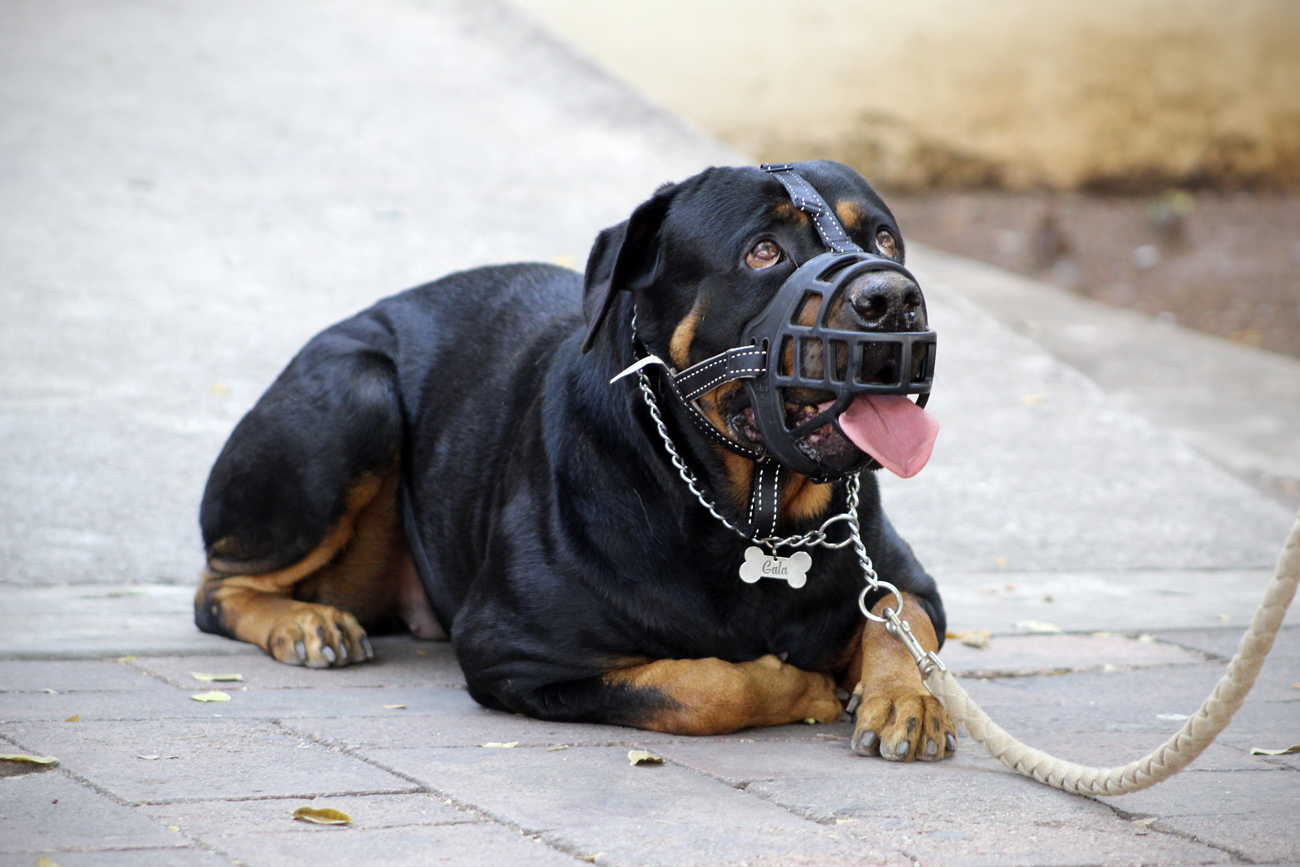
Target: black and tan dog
{"type": "Point", "coordinates": [453, 459]}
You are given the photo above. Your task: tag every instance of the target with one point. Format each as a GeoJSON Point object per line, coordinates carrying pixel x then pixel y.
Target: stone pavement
{"type": "Point", "coordinates": [192, 188]}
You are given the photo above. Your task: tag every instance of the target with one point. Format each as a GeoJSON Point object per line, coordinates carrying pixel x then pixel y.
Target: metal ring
{"type": "Point", "coordinates": [825, 543]}
{"type": "Point", "coordinates": [885, 585]}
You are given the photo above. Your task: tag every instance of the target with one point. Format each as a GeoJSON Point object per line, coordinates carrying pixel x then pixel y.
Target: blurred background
{"type": "Point", "coordinates": [1145, 153]}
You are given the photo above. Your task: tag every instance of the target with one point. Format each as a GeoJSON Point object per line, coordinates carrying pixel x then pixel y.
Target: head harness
{"type": "Point", "coordinates": [905, 358]}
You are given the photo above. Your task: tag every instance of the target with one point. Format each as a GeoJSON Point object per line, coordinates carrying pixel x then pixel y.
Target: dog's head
{"type": "Point", "coordinates": [704, 257]}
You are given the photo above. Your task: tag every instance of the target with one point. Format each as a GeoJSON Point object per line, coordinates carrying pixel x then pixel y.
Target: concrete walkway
{"type": "Point", "coordinates": [192, 189]}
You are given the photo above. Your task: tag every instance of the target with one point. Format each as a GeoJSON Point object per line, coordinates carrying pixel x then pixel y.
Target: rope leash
{"type": "Point", "coordinates": [1190, 741]}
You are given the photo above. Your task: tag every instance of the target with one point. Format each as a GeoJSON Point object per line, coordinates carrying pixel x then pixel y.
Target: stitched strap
{"type": "Point", "coordinates": [737, 363]}
{"type": "Point", "coordinates": [809, 201]}
{"type": "Point", "coordinates": [764, 499]}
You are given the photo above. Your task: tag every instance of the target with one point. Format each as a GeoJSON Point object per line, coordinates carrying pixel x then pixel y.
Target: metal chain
{"type": "Point", "coordinates": [811, 539]}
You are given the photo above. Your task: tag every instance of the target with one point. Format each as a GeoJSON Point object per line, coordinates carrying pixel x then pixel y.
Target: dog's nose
{"type": "Point", "coordinates": [887, 301]}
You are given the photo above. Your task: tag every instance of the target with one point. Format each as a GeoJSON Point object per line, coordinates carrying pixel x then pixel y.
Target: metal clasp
{"type": "Point", "coordinates": [927, 661]}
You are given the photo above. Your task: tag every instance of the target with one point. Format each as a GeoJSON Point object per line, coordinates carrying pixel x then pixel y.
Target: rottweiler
{"type": "Point", "coordinates": [456, 460]}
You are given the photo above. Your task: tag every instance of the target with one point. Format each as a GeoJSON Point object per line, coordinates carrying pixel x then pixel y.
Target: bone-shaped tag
{"type": "Point", "coordinates": [792, 569]}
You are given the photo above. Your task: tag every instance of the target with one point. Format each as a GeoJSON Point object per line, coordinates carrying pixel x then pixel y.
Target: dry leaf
{"type": "Point", "coordinates": [36, 760]}
{"type": "Point", "coordinates": [322, 816]}
{"type": "Point", "coordinates": [976, 638]}
{"type": "Point", "coordinates": [215, 695]}
{"type": "Point", "coordinates": [76, 717]}
{"type": "Point", "coordinates": [641, 757]}
{"type": "Point", "coordinates": [45, 861]}
{"type": "Point", "coordinates": [217, 678]}
{"type": "Point", "coordinates": [394, 707]}
{"type": "Point", "coordinates": [52, 691]}
{"type": "Point", "coordinates": [1260, 751]}
{"type": "Point", "coordinates": [1040, 626]}
{"type": "Point", "coordinates": [590, 858]}
{"type": "Point", "coordinates": [844, 821]}
{"type": "Point", "coordinates": [560, 747]}
{"type": "Point", "coordinates": [173, 827]}
{"type": "Point", "coordinates": [1145, 822]}
{"type": "Point", "coordinates": [509, 746]}
{"type": "Point", "coordinates": [149, 758]}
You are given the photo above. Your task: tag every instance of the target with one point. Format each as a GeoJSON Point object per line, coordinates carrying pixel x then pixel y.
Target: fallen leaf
{"type": "Point", "coordinates": [509, 746]}
{"type": "Point", "coordinates": [1295, 686]}
{"type": "Point", "coordinates": [1040, 626]}
{"type": "Point", "coordinates": [395, 707]}
{"type": "Point", "coordinates": [76, 717]}
{"type": "Point", "coordinates": [125, 659]}
{"type": "Point", "coordinates": [37, 760]}
{"type": "Point", "coordinates": [322, 816]}
{"type": "Point", "coordinates": [1260, 751]}
{"type": "Point", "coordinates": [844, 821]}
{"type": "Point", "coordinates": [45, 861]}
{"type": "Point", "coordinates": [976, 638]}
{"type": "Point", "coordinates": [173, 827]}
{"type": "Point", "coordinates": [641, 757]}
{"type": "Point", "coordinates": [217, 678]}
{"type": "Point", "coordinates": [149, 758]}
{"type": "Point", "coordinates": [1146, 822]}
{"type": "Point", "coordinates": [215, 695]}
{"type": "Point", "coordinates": [52, 691]}
{"type": "Point", "coordinates": [560, 747]}
{"type": "Point", "coordinates": [590, 858]}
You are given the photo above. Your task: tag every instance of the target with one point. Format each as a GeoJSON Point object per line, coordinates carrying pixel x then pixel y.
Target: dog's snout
{"type": "Point", "coordinates": [887, 301]}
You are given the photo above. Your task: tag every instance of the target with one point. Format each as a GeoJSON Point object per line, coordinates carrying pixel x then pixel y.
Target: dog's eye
{"type": "Point", "coordinates": [764, 254]}
{"type": "Point", "coordinates": [886, 244]}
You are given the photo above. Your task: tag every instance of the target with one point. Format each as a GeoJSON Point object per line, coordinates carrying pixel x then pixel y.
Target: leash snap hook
{"type": "Point", "coordinates": [927, 661]}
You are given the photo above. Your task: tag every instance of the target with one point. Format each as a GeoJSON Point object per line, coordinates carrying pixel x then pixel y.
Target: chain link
{"type": "Point", "coordinates": [811, 539]}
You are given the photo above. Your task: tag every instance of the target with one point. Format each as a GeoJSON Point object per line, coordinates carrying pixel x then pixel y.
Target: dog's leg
{"type": "Point", "coordinates": [713, 697]}
{"type": "Point", "coordinates": [261, 608]}
{"type": "Point", "coordinates": [897, 717]}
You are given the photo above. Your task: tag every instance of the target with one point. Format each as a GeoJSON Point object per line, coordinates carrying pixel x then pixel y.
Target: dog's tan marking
{"type": "Point", "coordinates": [850, 213]}
{"type": "Point", "coordinates": [801, 499]}
{"type": "Point", "coordinates": [679, 347]}
{"type": "Point", "coordinates": [897, 717]}
{"type": "Point", "coordinates": [713, 697]}
{"type": "Point", "coordinates": [785, 210]}
{"type": "Point", "coordinates": [355, 574]}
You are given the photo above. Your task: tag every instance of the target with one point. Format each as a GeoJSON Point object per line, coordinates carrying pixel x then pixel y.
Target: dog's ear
{"type": "Point", "coordinates": [623, 259]}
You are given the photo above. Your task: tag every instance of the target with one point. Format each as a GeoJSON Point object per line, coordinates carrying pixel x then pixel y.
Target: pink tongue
{"type": "Point", "coordinates": [891, 429]}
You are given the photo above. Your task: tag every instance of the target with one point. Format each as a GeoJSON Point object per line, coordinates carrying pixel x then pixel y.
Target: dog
{"type": "Point", "coordinates": [455, 460]}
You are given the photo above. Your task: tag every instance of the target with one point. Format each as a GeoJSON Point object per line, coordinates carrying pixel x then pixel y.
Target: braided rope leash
{"type": "Point", "coordinates": [1176, 753]}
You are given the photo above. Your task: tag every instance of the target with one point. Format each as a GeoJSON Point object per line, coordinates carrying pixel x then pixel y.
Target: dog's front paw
{"type": "Point", "coordinates": [902, 727]}
{"type": "Point", "coordinates": [319, 636]}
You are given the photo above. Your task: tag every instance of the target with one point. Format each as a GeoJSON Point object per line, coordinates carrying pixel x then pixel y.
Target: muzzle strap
{"type": "Point", "coordinates": [739, 362]}
{"type": "Point", "coordinates": [808, 200]}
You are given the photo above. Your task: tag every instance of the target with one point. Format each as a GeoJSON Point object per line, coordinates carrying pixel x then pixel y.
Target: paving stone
{"type": "Point", "coordinates": [471, 845]}
{"type": "Point", "coordinates": [201, 760]}
{"type": "Point", "coordinates": [397, 662]}
{"type": "Point", "coordinates": [592, 799]}
{"type": "Point", "coordinates": [1120, 600]}
{"type": "Point", "coordinates": [1223, 643]}
{"type": "Point", "coordinates": [121, 858]}
{"type": "Point", "coordinates": [1018, 655]}
{"type": "Point", "coordinates": [1248, 812]}
{"type": "Point", "coordinates": [1152, 700]}
{"type": "Point", "coordinates": [965, 810]}
{"type": "Point", "coordinates": [213, 821]}
{"type": "Point", "coordinates": [42, 675]}
{"type": "Point", "coordinates": [49, 812]}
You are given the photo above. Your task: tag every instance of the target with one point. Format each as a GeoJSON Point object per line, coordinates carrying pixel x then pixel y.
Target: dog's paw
{"type": "Point", "coordinates": [903, 727]}
{"type": "Point", "coordinates": [319, 636]}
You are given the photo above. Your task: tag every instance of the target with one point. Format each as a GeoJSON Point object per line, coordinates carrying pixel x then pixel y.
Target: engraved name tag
{"type": "Point", "coordinates": [760, 564]}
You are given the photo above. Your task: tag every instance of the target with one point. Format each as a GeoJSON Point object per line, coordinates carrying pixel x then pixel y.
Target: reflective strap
{"type": "Point", "coordinates": [764, 499]}
{"type": "Point", "coordinates": [809, 201]}
{"type": "Point", "coordinates": [740, 362]}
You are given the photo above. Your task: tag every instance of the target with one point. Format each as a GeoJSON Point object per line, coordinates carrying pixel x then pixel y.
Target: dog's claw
{"type": "Point", "coordinates": [328, 653]}
{"type": "Point", "coordinates": [931, 748]}
{"type": "Point", "coordinates": [864, 745]}
{"type": "Point", "coordinates": [951, 742]}
{"type": "Point", "coordinates": [300, 649]}
{"type": "Point", "coordinates": [370, 651]}
{"type": "Point", "coordinates": [855, 700]}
